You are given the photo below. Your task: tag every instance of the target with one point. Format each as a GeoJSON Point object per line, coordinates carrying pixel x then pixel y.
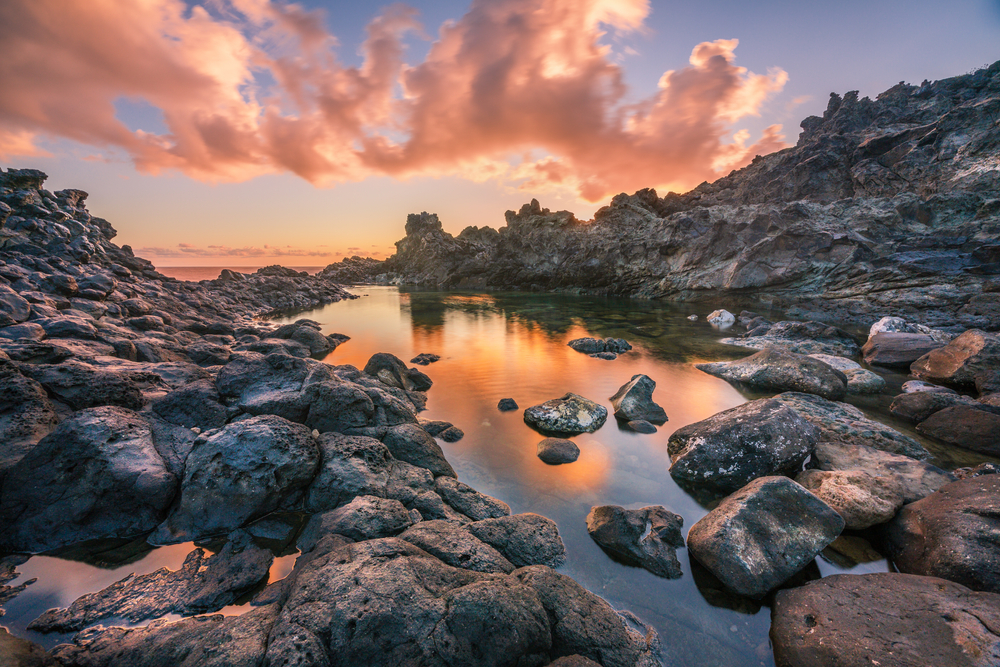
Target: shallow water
{"type": "Point", "coordinates": [497, 345]}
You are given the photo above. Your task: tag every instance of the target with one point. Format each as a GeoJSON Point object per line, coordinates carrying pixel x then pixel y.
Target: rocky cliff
{"type": "Point", "coordinates": [883, 206]}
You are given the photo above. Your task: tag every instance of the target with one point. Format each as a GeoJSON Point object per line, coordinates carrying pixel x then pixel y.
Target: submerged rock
{"type": "Point", "coordinates": [425, 359]}
{"type": "Point", "coordinates": [730, 449]}
{"type": "Point", "coordinates": [634, 401]}
{"type": "Point", "coordinates": [763, 534]}
{"type": "Point", "coordinates": [647, 537]}
{"type": "Point", "coordinates": [571, 414]}
{"type": "Point", "coordinates": [555, 451]}
{"type": "Point", "coordinates": [951, 534]}
{"type": "Point", "coordinates": [920, 621]}
{"type": "Point", "coordinates": [775, 370]}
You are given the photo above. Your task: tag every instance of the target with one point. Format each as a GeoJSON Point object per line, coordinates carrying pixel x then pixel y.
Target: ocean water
{"type": "Point", "coordinates": [513, 345]}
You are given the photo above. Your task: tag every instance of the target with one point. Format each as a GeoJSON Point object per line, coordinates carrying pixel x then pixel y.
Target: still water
{"type": "Point", "coordinates": [495, 346]}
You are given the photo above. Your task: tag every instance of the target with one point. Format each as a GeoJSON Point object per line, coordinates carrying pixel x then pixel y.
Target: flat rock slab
{"type": "Point", "coordinates": [647, 537]}
{"type": "Point", "coordinates": [799, 337]}
{"type": "Point", "coordinates": [840, 422]}
{"type": "Point", "coordinates": [555, 451]}
{"type": "Point", "coordinates": [760, 536]}
{"type": "Point", "coordinates": [634, 401]}
{"type": "Point", "coordinates": [916, 478]}
{"type": "Point", "coordinates": [917, 406]}
{"type": "Point", "coordinates": [960, 361]}
{"type": "Point", "coordinates": [571, 414]}
{"type": "Point", "coordinates": [965, 427]}
{"type": "Point", "coordinates": [778, 370]}
{"type": "Point", "coordinates": [953, 533]}
{"type": "Point", "coordinates": [897, 350]}
{"type": "Point", "coordinates": [886, 619]}
{"type": "Point", "coordinates": [862, 498]}
{"type": "Point", "coordinates": [730, 449]}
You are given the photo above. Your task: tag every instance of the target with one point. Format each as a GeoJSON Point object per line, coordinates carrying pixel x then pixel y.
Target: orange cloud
{"type": "Point", "coordinates": [248, 87]}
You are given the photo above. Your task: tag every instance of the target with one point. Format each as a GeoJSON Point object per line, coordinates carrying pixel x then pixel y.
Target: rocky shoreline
{"type": "Point", "coordinates": [883, 206]}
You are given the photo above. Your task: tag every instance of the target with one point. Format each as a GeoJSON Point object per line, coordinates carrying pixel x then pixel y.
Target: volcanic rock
{"type": "Point", "coordinates": [647, 537]}
{"type": "Point", "coordinates": [775, 370]}
{"type": "Point", "coordinates": [634, 401]}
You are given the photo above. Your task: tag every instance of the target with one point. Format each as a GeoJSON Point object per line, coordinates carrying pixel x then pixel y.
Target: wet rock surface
{"type": "Point", "coordinates": [763, 534]}
{"type": "Point", "coordinates": [967, 427]}
{"type": "Point", "coordinates": [736, 446]}
{"type": "Point", "coordinates": [920, 621]}
{"type": "Point", "coordinates": [558, 450]}
{"type": "Point", "coordinates": [634, 401]}
{"type": "Point", "coordinates": [648, 537]}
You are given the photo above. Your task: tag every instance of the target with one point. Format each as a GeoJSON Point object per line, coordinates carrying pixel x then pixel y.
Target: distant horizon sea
{"type": "Point", "coordinates": [196, 273]}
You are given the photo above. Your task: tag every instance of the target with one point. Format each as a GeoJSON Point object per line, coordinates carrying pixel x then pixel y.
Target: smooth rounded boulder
{"type": "Point", "coordinates": [570, 414]}
{"type": "Point", "coordinates": [728, 450]}
{"type": "Point", "coordinates": [556, 451]}
{"type": "Point", "coordinates": [760, 536]}
{"type": "Point", "coordinates": [954, 533]}
{"type": "Point", "coordinates": [238, 474]}
{"type": "Point", "coordinates": [97, 475]}
{"type": "Point", "coordinates": [966, 427]}
{"type": "Point", "coordinates": [886, 619]}
{"type": "Point", "coordinates": [960, 361]}
{"type": "Point", "coordinates": [897, 350]}
{"type": "Point", "coordinates": [777, 370]}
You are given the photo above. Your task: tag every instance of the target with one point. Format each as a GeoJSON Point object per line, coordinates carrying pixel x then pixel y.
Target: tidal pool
{"type": "Point", "coordinates": [513, 345]}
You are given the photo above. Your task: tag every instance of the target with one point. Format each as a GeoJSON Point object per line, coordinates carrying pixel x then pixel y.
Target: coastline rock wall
{"type": "Point", "coordinates": [885, 204]}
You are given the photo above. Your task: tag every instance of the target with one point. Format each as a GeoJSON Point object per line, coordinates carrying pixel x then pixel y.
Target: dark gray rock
{"type": "Point", "coordinates": [451, 434]}
{"type": "Point", "coordinates": [558, 450]}
{"type": "Point", "coordinates": [917, 478]}
{"type": "Point", "coordinates": [840, 422]}
{"type": "Point", "coordinates": [203, 584]}
{"type": "Point", "coordinates": [13, 308]}
{"type": "Point", "coordinates": [506, 405]}
{"type": "Point", "coordinates": [239, 474]}
{"type": "Point", "coordinates": [465, 499]}
{"type": "Point", "coordinates": [898, 350]}
{"type": "Point", "coordinates": [425, 359]}
{"type": "Point", "coordinates": [80, 385]}
{"type": "Point", "coordinates": [730, 449]}
{"type": "Point", "coordinates": [917, 386]}
{"type": "Point", "coordinates": [571, 414]}
{"type": "Point", "coordinates": [799, 338]}
{"type": "Point", "coordinates": [97, 475]}
{"type": "Point", "coordinates": [954, 533]}
{"type": "Point", "coordinates": [776, 370]}
{"type": "Point", "coordinates": [641, 426]}
{"type": "Point", "coordinates": [17, 652]}
{"type": "Point", "coordinates": [523, 539]}
{"type": "Point", "coordinates": [337, 406]}
{"type": "Point", "coordinates": [26, 415]}
{"type": "Point", "coordinates": [193, 405]}
{"type": "Point", "coordinates": [917, 406]}
{"type": "Point", "coordinates": [596, 346]}
{"type": "Point", "coordinates": [364, 518]}
{"type": "Point", "coordinates": [634, 401]}
{"type": "Point", "coordinates": [606, 356]}
{"type": "Point", "coordinates": [960, 361]}
{"type": "Point", "coordinates": [921, 621]}
{"type": "Point", "coordinates": [26, 331]}
{"type": "Point", "coordinates": [410, 443]}
{"type": "Point", "coordinates": [760, 536]}
{"type": "Point", "coordinates": [204, 353]}
{"type": "Point", "coordinates": [350, 466]}
{"type": "Point", "coordinates": [456, 546]}
{"type": "Point", "coordinates": [647, 537]}
{"type": "Point", "coordinates": [393, 372]}
{"type": "Point", "coordinates": [965, 427]}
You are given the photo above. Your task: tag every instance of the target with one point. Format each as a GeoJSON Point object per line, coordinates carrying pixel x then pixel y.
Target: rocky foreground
{"type": "Point", "coordinates": [883, 206]}
{"type": "Point", "coordinates": [137, 408]}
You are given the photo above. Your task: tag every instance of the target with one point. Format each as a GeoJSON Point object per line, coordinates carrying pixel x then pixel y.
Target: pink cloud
{"type": "Point", "coordinates": [249, 87]}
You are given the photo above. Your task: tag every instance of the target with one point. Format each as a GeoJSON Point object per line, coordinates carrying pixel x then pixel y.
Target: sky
{"type": "Point", "coordinates": [249, 132]}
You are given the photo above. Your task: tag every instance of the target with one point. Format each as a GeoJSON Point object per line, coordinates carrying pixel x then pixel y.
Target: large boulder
{"type": "Point", "coordinates": [917, 479]}
{"type": "Point", "coordinates": [777, 370]}
{"type": "Point", "coordinates": [193, 405]}
{"type": "Point", "coordinates": [456, 546]}
{"type": "Point", "coordinates": [240, 473]}
{"type": "Point", "coordinates": [569, 415]}
{"type": "Point", "coordinates": [840, 422]}
{"type": "Point", "coordinates": [364, 518]}
{"type": "Point", "coordinates": [647, 537]}
{"type": "Point", "coordinates": [26, 415]}
{"type": "Point", "coordinates": [916, 406]}
{"type": "Point", "coordinates": [391, 370]}
{"type": "Point", "coordinates": [727, 450]}
{"type": "Point", "coordinates": [634, 401]}
{"type": "Point", "coordinates": [350, 466]}
{"type": "Point", "coordinates": [897, 350]}
{"type": "Point", "coordinates": [960, 361]}
{"type": "Point", "coordinates": [760, 536]}
{"type": "Point", "coordinates": [862, 498]}
{"type": "Point", "coordinates": [954, 533]}
{"type": "Point", "coordinates": [97, 475]}
{"type": "Point", "coordinates": [81, 385]}
{"type": "Point", "coordinates": [410, 443]}
{"type": "Point", "coordinates": [886, 619]}
{"type": "Point", "coordinates": [966, 427]}
{"type": "Point", "coordinates": [523, 539]}
{"type": "Point", "coordinates": [465, 499]}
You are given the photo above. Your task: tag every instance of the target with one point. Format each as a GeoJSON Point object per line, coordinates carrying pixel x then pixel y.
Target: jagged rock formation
{"type": "Point", "coordinates": [883, 205]}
